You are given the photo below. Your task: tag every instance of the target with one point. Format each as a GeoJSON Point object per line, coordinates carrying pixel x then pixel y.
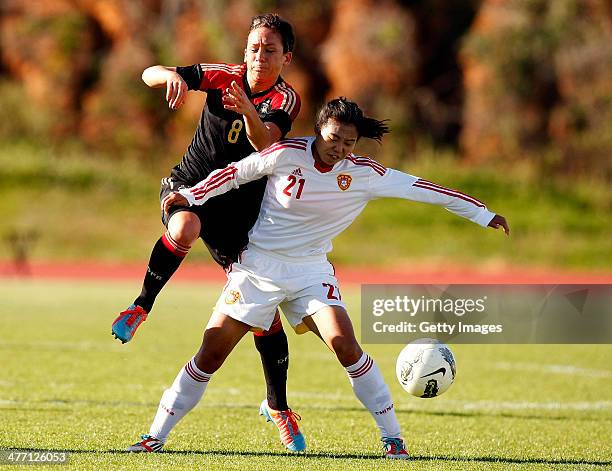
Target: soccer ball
{"type": "Point", "coordinates": [425, 368]}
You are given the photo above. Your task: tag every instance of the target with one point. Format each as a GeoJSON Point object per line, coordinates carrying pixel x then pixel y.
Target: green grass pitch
{"type": "Point", "coordinates": [66, 384]}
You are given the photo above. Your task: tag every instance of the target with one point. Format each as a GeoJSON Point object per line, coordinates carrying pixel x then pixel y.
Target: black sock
{"type": "Point", "coordinates": [274, 352]}
{"type": "Point", "coordinates": [166, 257]}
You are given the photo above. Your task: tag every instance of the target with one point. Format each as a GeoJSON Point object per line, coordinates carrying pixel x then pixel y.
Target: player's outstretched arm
{"type": "Point", "coordinates": [251, 168]}
{"type": "Point", "coordinates": [259, 134]}
{"type": "Point", "coordinates": [395, 184]}
{"type": "Point", "coordinates": [216, 183]}
{"type": "Point", "coordinates": [159, 76]}
{"type": "Point", "coordinates": [500, 221]}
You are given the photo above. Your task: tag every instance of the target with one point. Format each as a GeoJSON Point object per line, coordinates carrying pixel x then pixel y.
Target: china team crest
{"type": "Point", "coordinates": [232, 297]}
{"type": "Point", "coordinates": [344, 181]}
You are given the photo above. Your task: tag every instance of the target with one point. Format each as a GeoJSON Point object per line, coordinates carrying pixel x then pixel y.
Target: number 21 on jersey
{"type": "Point", "coordinates": [332, 291]}
{"type": "Point", "coordinates": [289, 188]}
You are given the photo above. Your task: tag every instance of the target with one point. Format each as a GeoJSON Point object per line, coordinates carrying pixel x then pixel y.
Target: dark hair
{"type": "Point", "coordinates": [347, 112]}
{"type": "Point", "coordinates": [276, 23]}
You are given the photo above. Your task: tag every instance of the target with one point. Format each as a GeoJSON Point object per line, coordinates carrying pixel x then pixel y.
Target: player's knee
{"type": "Point", "coordinates": [347, 350]}
{"type": "Point", "coordinates": [209, 360]}
{"type": "Point", "coordinates": [185, 231]}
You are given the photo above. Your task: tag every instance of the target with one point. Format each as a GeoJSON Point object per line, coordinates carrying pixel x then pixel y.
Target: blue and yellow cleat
{"type": "Point", "coordinates": [286, 421]}
{"type": "Point", "coordinates": [128, 321]}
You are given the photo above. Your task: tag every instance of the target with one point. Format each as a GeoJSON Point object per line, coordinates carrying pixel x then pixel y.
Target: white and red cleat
{"type": "Point", "coordinates": [395, 448]}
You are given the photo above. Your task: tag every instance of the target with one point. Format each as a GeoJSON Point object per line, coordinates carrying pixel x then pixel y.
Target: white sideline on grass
{"type": "Point", "coordinates": [449, 404]}
{"type": "Point", "coordinates": [555, 369]}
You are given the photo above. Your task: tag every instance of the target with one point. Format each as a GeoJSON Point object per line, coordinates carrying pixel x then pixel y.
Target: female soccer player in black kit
{"type": "Point", "coordinates": [248, 108]}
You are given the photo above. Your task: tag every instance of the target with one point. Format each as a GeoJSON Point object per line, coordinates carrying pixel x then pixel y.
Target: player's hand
{"type": "Point", "coordinates": [236, 99]}
{"type": "Point", "coordinates": [173, 199]}
{"type": "Point", "coordinates": [500, 221]}
{"type": "Point", "coordinates": [176, 91]}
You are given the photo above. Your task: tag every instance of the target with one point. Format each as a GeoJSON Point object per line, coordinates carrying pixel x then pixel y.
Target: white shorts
{"type": "Point", "coordinates": [259, 283]}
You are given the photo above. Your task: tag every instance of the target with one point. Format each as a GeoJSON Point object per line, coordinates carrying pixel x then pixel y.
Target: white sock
{"type": "Point", "coordinates": [180, 398]}
{"type": "Point", "coordinates": [371, 390]}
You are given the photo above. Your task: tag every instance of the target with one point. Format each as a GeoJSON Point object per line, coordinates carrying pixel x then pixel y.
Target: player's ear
{"type": "Point", "coordinates": [288, 57]}
{"type": "Point", "coordinates": [245, 52]}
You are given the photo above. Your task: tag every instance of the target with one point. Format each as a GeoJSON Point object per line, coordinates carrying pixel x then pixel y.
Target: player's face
{"type": "Point", "coordinates": [264, 55]}
{"type": "Point", "coordinates": [335, 141]}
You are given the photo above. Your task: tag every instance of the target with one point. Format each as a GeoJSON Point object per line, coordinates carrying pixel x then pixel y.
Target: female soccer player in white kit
{"type": "Point", "coordinates": [316, 188]}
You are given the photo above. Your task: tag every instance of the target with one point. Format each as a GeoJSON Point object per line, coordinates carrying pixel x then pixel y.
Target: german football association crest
{"type": "Point", "coordinates": [344, 181]}
{"type": "Point", "coordinates": [232, 297]}
{"type": "Point", "coordinates": [264, 107]}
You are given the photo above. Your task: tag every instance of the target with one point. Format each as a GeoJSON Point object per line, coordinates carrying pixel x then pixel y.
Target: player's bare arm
{"type": "Point", "coordinates": [500, 221]}
{"type": "Point", "coordinates": [260, 134]}
{"type": "Point", "coordinates": [159, 76]}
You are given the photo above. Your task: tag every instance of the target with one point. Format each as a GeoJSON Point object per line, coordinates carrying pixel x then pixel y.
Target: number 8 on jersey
{"type": "Point", "coordinates": [234, 133]}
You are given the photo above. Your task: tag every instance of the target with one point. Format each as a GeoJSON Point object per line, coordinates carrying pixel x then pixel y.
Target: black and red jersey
{"type": "Point", "coordinates": [220, 139]}
{"type": "Point", "coordinates": [221, 136]}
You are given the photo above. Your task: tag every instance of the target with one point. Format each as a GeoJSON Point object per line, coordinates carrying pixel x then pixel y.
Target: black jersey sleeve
{"type": "Point", "coordinates": [192, 75]}
{"type": "Point", "coordinates": [280, 118]}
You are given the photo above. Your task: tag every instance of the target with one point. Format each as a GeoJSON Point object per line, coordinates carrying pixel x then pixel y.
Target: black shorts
{"type": "Point", "coordinates": [225, 220]}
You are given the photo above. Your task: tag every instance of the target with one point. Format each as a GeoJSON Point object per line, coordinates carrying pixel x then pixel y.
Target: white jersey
{"type": "Point", "coordinates": [305, 206]}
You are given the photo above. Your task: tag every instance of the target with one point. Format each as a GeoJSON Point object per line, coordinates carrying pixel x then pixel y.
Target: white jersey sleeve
{"type": "Point", "coordinates": [396, 184]}
{"type": "Point", "coordinates": [251, 168]}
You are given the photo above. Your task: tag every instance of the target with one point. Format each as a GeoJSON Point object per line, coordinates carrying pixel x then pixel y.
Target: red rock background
{"type": "Point", "coordinates": [491, 79]}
